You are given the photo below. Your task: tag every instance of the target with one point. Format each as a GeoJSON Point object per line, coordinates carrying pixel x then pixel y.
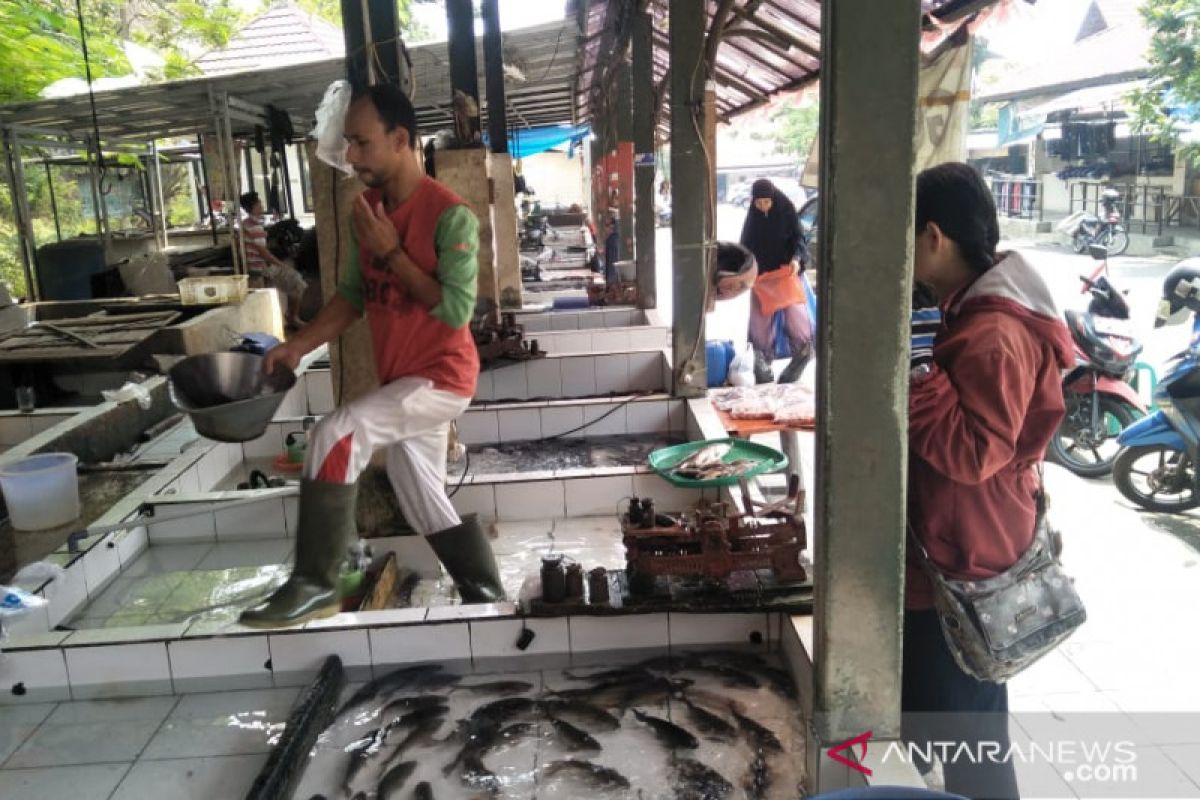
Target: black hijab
{"type": "Point", "coordinates": [772, 237]}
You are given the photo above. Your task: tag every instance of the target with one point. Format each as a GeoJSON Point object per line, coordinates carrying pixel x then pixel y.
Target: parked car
{"type": "Point", "coordinates": [807, 217]}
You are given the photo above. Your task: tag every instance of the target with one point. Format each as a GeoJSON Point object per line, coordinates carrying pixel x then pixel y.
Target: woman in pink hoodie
{"type": "Point", "coordinates": [984, 402]}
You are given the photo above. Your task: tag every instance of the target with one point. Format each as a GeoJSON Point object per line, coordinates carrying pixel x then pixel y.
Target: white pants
{"type": "Point", "coordinates": [412, 420]}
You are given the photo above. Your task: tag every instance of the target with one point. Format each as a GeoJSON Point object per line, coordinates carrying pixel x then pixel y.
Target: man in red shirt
{"type": "Point", "coordinates": [413, 272]}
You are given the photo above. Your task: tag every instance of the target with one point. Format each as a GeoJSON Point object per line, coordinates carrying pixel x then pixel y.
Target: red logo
{"type": "Point", "coordinates": [836, 752]}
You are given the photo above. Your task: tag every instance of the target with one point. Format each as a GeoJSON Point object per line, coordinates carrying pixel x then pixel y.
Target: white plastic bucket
{"type": "Point", "coordinates": [41, 491]}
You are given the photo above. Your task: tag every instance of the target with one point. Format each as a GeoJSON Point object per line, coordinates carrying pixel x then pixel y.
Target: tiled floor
{"type": "Point", "coordinates": [206, 746]}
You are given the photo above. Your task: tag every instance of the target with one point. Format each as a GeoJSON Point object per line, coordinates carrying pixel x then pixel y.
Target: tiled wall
{"type": "Point", "coordinates": [555, 377]}
{"type": "Point", "coordinates": [515, 423]}
{"type": "Point", "coordinates": [506, 498]}
{"type": "Point", "coordinates": [612, 340]}
{"type": "Point", "coordinates": [16, 427]}
{"type": "Point", "coordinates": [312, 394]}
{"type": "Point", "coordinates": [113, 663]}
{"type": "Point", "coordinates": [536, 321]}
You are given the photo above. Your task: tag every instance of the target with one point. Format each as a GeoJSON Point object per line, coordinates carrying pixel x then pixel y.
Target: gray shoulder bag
{"type": "Point", "coordinates": [995, 627]}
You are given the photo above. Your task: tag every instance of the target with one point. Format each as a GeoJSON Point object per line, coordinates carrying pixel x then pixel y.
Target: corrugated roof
{"type": "Point", "coordinates": [769, 46]}
{"type": "Point", "coordinates": [1114, 55]}
{"type": "Point", "coordinates": [542, 94]}
{"type": "Point", "coordinates": [280, 36]}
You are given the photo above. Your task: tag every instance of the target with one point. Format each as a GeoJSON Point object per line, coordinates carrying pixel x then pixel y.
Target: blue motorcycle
{"type": "Point", "coordinates": [1157, 466]}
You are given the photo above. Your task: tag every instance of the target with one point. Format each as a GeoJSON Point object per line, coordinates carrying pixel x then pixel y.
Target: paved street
{"type": "Point", "coordinates": [1138, 572]}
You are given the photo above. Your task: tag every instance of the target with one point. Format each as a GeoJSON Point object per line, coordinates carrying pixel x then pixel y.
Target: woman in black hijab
{"type": "Point", "coordinates": [778, 306]}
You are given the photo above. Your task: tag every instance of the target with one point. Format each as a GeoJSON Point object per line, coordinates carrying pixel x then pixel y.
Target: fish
{"type": "Point", "coordinates": [762, 736]}
{"type": "Point", "coordinates": [580, 711]}
{"type": "Point", "coordinates": [422, 791]}
{"type": "Point", "coordinates": [513, 733]}
{"type": "Point", "coordinates": [728, 675]}
{"type": "Point", "coordinates": [499, 710]}
{"type": "Point", "coordinates": [393, 779]}
{"type": "Point", "coordinates": [495, 687]}
{"type": "Point", "coordinates": [393, 681]}
{"type": "Point", "coordinates": [424, 723]}
{"type": "Point", "coordinates": [361, 751]}
{"type": "Point", "coordinates": [705, 457]}
{"type": "Point", "coordinates": [671, 734]}
{"type": "Point", "coordinates": [598, 776]}
{"type": "Point", "coordinates": [713, 700]}
{"type": "Point", "coordinates": [708, 722]}
{"type": "Point", "coordinates": [623, 674]}
{"type": "Point", "coordinates": [657, 688]}
{"type": "Point", "coordinates": [758, 777]}
{"type": "Point", "coordinates": [476, 775]}
{"type": "Point", "coordinates": [780, 680]}
{"type": "Point", "coordinates": [399, 707]}
{"type": "Point", "coordinates": [478, 736]}
{"type": "Point", "coordinates": [664, 663]}
{"type": "Point", "coordinates": [699, 782]}
{"type": "Point", "coordinates": [575, 738]}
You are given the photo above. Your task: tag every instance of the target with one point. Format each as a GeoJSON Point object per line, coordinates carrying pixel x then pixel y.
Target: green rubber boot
{"type": "Point", "coordinates": [466, 553]}
{"type": "Point", "coordinates": [326, 532]}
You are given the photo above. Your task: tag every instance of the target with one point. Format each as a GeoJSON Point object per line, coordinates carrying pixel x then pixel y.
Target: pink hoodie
{"type": "Point", "coordinates": [980, 423]}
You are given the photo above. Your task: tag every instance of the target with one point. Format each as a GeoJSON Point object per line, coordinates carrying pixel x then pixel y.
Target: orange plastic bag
{"type": "Point", "coordinates": [778, 289]}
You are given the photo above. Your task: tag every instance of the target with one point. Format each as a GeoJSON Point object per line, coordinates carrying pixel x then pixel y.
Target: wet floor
{"type": "Point", "coordinates": [561, 454]}
{"type": "Point", "coordinates": [711, 726]}
{"type": "Point", "coordinates": [207, 585]}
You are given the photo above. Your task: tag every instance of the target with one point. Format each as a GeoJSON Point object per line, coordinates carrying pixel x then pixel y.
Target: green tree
{"type": "Point", "coordinates": [331, 11]}
{"type": "Point", "coordinates": [795, 127]}
{"type": "Point", "coordinates": [1172, 96]}
{"type": "Point", "coordinates": [40, 39]}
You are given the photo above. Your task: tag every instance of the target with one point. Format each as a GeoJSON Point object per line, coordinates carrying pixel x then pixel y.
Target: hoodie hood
{"type": "Point", "coordinates": [1014, 287]}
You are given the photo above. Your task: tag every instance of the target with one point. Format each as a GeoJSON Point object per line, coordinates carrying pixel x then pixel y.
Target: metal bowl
{"type": "Point", "coordinates": [227, 395]}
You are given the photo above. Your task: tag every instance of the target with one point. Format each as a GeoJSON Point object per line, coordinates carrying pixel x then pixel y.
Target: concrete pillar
{"type": "Point", "coordinates": [351, 356]}
{"type": "Point", "coordinates": [465, 172]}
{"type": "Point", "coordinates": [643, 171]}
{"type": "Point", "coordinates": [867, 125]}
{"type": "Point", "coordinates": [626, 149]}
{"type": "Point", "coordinates": [493, 56]}
{"type": "Point", "coordinates": [507, 238]}
{"type": "Point", "coordinates": [689, 198]}
{"type": "Point", "coordinates": [460, 18]}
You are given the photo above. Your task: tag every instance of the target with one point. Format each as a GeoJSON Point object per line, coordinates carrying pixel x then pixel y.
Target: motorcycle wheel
{"type": "Point", "coordinates": [1115, 240]}
{"type": "Point", "coordinates": [1086, 452]}
{"type": "Point", "coordinates": [1080, 242]}
{"type": "Point", "coordinates": [1157, 478]}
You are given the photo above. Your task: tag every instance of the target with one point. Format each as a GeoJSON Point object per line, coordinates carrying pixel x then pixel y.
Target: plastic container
{"type": "Point", "coordinates": [214, 290]}
{"type": "Point", "coordinates": [766, 459]}
{"type": "Point", "coordinates": [41, 491]}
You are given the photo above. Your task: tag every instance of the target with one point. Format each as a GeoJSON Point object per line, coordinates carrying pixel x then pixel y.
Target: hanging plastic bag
{"type": "Point", "coordinates": [741, 370]}
{"type": "Point", "coordinates": [15, 603]}
{"type": "Point", "coordinates": [129, 391]}
{"type": "Point", "coordinates": [331, 118]}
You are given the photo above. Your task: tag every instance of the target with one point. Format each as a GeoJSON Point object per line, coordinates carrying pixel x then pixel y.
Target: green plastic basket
{"type": "Point", "coordinates": [767, 460]}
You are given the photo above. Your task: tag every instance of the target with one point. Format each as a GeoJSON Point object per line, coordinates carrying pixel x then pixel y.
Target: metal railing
{"type": "Point", "coordinates": [1141, 206]}
{"type": "Point", "coordinates": [1018, 198]}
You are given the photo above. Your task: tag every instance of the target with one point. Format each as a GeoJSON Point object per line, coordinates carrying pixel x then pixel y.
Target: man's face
{"type": "Point", "coordinates": [764, 204]}
{"type": "Point", "coordinates": [257, 209]}
{"type": "Point", "coordinates": [373, 151]}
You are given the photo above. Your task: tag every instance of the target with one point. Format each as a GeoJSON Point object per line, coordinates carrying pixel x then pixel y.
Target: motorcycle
{"type": "Point", "coordinates": [1107, 232]}
{"type": "Point", "coordinates": [1156, 468]}
{"type": "Point", "coordinates": [1100, 402]}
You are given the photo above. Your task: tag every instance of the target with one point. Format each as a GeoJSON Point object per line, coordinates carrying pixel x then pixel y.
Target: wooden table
{"type": "Point", "coordinates": [789, 437]}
